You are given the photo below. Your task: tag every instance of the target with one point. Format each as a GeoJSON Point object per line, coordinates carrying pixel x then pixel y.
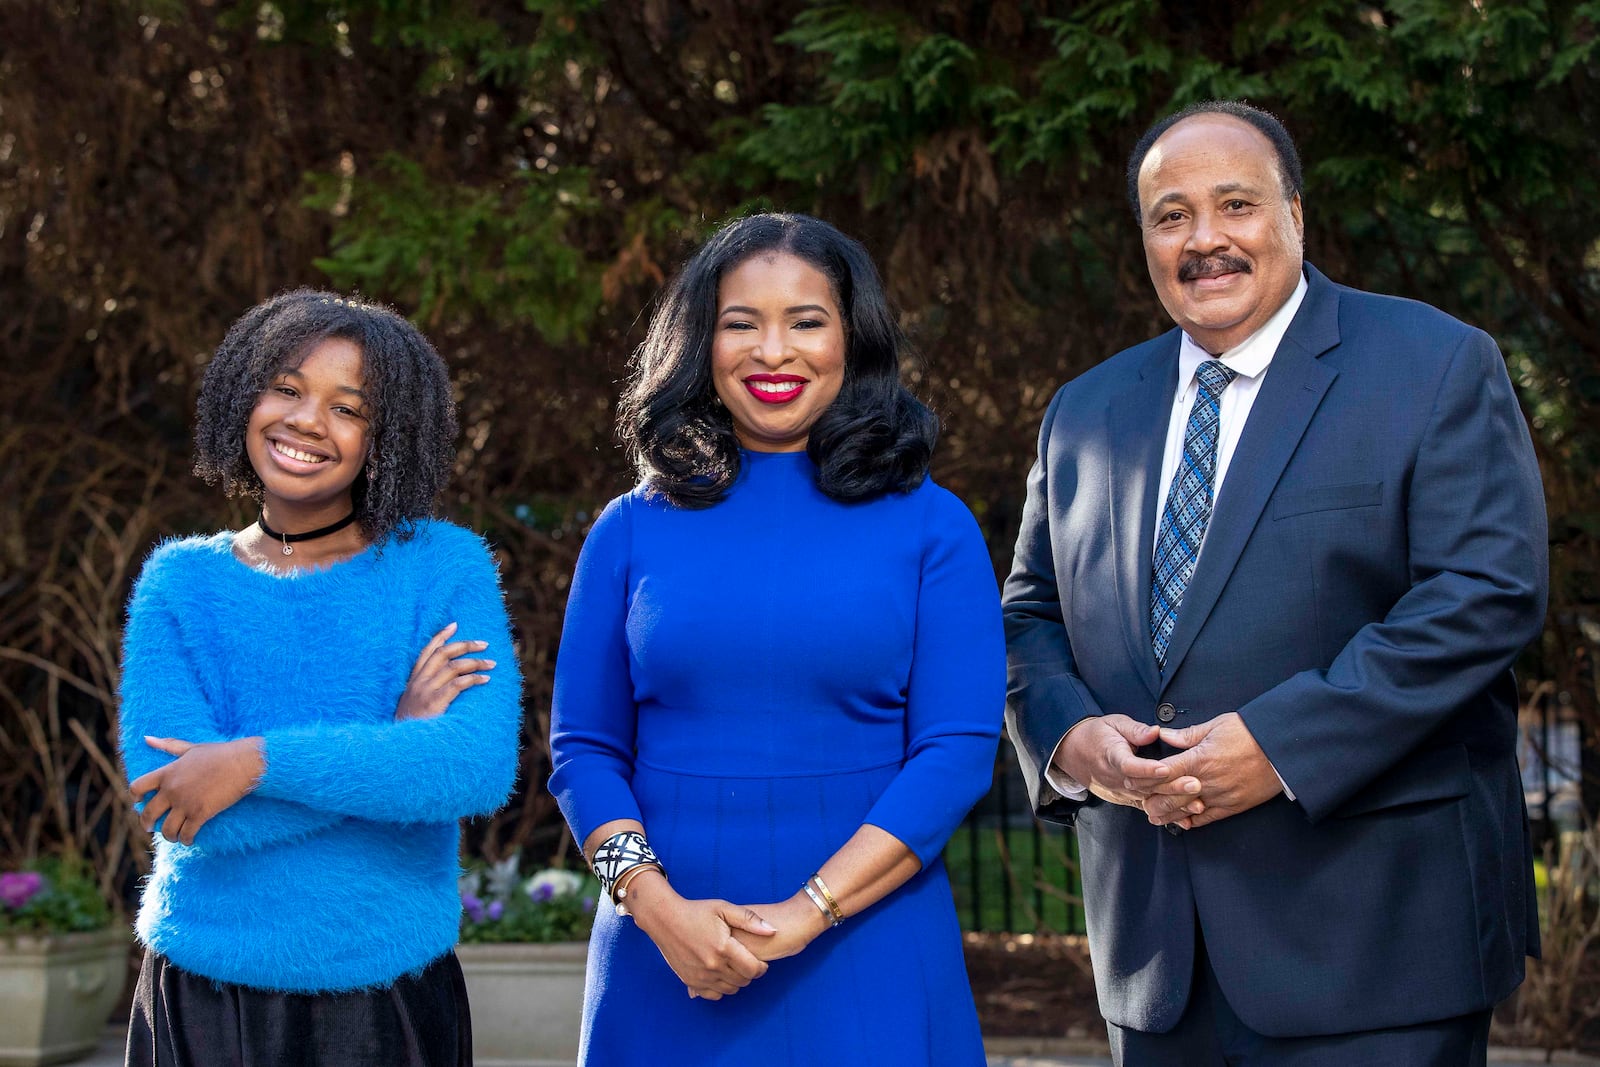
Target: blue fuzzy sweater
{"type": "Point", "coordinates": [339, 871]}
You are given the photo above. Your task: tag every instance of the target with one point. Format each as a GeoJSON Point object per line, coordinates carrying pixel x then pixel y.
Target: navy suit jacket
{"type": "Point", "coordinates": [1375, 561]}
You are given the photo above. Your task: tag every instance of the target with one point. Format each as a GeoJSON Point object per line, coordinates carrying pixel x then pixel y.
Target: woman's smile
{"type": "Point", "coordinates": [777, 357]}
{"type": "Point", "coordinates": [775, 388]}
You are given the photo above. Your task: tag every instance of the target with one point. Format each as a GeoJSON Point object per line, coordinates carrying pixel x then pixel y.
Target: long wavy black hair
{"type": "Point", "coordinates": [875, 438]}
{"type": "Point", "coordinates": [411, 417]}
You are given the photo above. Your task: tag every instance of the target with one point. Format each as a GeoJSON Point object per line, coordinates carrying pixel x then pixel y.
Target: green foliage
{"type": "Point", "coordinates": [503, 254]}
{"type": "Point", "coordinates": [462, 36]}
{"type": "Point", "coordinates": [553, 905]}
{"type": "Point", "coordinates": [1110, 65]}
{"type": "Point", "coordinates": [472, 47]}
{"type": "Point", "coordinates": [540, 922]}
{"type": "Point", "coordinates": [67, 900]}
{"type": "Point", "coordinates": [886, 85]}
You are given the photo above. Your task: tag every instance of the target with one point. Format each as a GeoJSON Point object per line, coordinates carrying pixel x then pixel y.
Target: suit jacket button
{"type": "Point", "coordinates": [1166, 712]}
{"type": "Point", "coordinates": [1173, 828]}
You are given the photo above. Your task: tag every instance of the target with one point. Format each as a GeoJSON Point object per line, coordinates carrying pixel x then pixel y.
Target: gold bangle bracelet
{"type": "Point", "coordinates": [833, 905]}
{"type": "Point", "coordinates": [620, 892]}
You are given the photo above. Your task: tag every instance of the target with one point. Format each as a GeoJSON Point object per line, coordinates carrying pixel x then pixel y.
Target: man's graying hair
{"type": "Point", "coordinates": [1266, 122]}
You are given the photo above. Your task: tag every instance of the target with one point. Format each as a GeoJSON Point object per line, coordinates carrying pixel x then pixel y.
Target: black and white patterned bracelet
{"type": "Point", "coordinates": [619, 854]}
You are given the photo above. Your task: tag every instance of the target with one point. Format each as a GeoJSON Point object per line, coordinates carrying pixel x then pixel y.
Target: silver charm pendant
{"type": "Point", "coordinates": [288, 549]}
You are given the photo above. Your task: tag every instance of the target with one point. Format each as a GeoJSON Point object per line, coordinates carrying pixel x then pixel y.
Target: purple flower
{"type": "Point", "coordinates": [19, 887]}
{"type": "Point", "coordinates": [496, 909]}
{"type": "Point", "coordinates": [473, 907]}
{"type": "Point", "coordinates": [543, 892]}
{"type": "Point", "coordinates": [588, 904]}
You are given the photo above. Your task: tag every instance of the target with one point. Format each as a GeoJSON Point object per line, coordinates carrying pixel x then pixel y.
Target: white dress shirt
{"type": "Point", "coordinates": [1249, 361]}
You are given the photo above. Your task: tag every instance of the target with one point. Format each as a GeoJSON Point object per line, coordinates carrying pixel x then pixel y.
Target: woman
{"type": "Point", "coordinates": [302, 907]}
{"type": "Point", "coordinates": [780, 681]}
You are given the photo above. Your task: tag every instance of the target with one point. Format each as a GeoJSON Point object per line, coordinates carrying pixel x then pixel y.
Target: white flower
{"type": "Point", "coordinates": [502, 878]}
{"type": "Point", "coordinates": [553, 883]}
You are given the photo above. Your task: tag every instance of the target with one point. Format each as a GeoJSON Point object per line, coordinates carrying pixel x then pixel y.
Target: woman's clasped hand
{"type": "Point", "coordinates": [707, 943]}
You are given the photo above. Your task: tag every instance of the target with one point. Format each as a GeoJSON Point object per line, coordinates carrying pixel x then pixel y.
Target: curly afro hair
{"type": "Point", "coordinates": [412, 420]}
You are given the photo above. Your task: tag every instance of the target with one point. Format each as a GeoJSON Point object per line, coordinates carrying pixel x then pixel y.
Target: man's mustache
{"type": "Point", "coordinates": [1211, 266]}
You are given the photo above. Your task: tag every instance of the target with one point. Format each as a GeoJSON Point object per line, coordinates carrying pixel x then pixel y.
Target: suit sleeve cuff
{"type": "Point", "coordinates": [1286, 790]}
{"type": "Point", "coordinates": [1067, 787]}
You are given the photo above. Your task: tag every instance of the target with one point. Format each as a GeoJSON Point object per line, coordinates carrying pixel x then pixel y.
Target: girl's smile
{"type": "Point", "coordinates": [309, 436]}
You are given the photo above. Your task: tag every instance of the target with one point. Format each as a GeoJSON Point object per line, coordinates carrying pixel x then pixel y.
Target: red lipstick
{"type": "Point", "coordinates": [779, 388]}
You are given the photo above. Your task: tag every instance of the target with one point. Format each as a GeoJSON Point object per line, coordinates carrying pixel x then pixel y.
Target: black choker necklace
{"type": "Point", "coordinates": [290, 539]}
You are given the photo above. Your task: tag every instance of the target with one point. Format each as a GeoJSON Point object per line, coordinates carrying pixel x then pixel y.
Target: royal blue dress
{"type": "Point", "coordinates": [754, 681]}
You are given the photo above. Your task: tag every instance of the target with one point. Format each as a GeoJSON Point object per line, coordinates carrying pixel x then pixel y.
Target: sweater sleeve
{"type": "Point", "coordinates": [956, 696]}
{"type": "Point", "coordinates": [458, 764]}
{"type": "Point", "coordinates": [162, 695]}
{"type": "Point", "coordinates": [593, 715]}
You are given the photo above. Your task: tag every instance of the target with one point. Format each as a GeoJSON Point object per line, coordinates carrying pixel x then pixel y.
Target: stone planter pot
{"type": "Point", "coordinates": [55, 993]}
{"type": "Point", "coordinates": [527, 1002]}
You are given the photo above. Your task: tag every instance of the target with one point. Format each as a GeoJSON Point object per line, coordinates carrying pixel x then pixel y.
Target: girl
{"type": "Point", "coordinates": [304, 764]}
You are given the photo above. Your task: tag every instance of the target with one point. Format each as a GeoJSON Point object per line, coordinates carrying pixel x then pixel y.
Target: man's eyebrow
{"type": "Point", "coordinates": [1222, 189]}
{"type": "Point", "coordinates": [1165, 198]}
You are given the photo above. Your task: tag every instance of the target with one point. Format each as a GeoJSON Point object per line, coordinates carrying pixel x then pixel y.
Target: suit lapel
{"type": "Point", "coordinates": [1290, 395]}
{"type": "Point", "coordinates": [1136, 422]}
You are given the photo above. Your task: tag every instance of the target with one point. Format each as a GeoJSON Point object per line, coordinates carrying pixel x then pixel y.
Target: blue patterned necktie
{"type": "Point", "coordinates": [1188, 508]}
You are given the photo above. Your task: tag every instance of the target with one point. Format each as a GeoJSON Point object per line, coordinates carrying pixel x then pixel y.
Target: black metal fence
{"type": "Point", "coordinates": [1550, 748]}
{"type": "Point", "coordinates": [1010, 872]}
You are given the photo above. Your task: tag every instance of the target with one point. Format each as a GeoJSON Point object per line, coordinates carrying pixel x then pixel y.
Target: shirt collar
{"type": "Point", "coordinates": [1251, 356]}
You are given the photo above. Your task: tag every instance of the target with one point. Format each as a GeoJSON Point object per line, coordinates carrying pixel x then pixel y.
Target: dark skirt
{"type": "Point", "coordinates": [183, 1020]}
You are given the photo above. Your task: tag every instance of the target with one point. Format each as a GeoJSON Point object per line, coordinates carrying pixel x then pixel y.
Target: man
{"type": "Point", "coordinates": [1273, 571]}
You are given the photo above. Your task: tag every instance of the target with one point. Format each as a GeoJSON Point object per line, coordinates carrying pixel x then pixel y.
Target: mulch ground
{"type": "Point", "coordinates": [1041, 986]}
{"type": "Point", "coordinates": [1029, 985]}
